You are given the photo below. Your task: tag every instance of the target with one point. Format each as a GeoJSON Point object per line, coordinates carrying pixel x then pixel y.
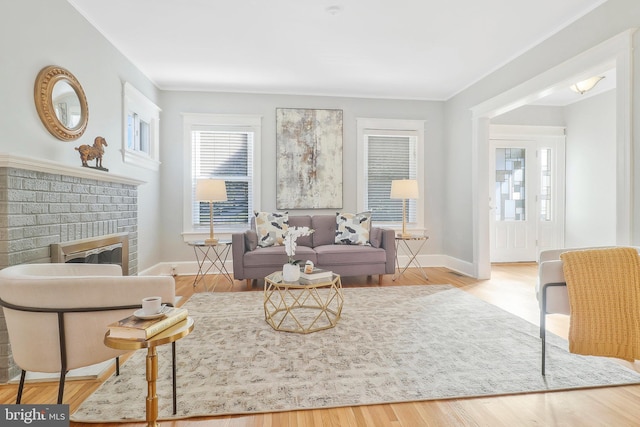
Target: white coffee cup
{"type": "Point", "coordinates": [151, 305]}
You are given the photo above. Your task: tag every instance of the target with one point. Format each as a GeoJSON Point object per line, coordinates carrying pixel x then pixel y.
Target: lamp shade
{"type": "Point", "coordinates": [404, 189]}
{"type": "Point", "coordinates": [211, 190]}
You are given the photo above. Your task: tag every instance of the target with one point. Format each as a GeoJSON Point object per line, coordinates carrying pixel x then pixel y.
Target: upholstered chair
{"type": "Point", "coordinates": [57, 314]}
{"type": "Point", "coordinates": [551, 291]}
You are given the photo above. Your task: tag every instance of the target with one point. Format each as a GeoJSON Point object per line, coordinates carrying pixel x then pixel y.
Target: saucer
{"type": "Point", "coordinates": [140, 315]}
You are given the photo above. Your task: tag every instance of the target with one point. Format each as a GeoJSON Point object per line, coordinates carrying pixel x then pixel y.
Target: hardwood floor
{"type": "Point", "coordinates": [512, 287]}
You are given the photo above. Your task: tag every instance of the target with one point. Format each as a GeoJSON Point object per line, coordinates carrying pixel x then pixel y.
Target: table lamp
{"type": "Point", "coordinates": [404, 189]}
{"type": "Point", "coordinates": [211, 190]}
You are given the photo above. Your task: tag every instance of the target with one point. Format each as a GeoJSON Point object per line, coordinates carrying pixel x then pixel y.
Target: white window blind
{"type": "Point", "coordinates": [223, 154]}
{"type": "Point", "coordinates": [389, 156]}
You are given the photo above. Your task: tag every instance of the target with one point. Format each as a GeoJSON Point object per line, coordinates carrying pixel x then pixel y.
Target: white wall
{"type": "Point", "coordinates": [37, 33]}
{"type": "Point", "coordinates": [590, 172]}
{"type": "Point", "coordinates": [603, 23]}
{"type": "Point", "coordinates": [590, 164]}
{"type": "Point", "coordinates": [175, 103]}
{"type": "Point", "coordinates": [532, 115]}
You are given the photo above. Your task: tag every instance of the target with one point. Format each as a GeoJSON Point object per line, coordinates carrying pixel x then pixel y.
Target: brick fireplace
{"type": "Point", "coordinates": [44, 204]}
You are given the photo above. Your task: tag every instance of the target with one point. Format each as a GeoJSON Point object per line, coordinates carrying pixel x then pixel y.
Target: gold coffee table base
{"type": "Point", "coordinates": [293, 307]}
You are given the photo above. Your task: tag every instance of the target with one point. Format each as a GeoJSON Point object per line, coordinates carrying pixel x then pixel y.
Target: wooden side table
{"type": "Point", "coordinates": [211, 256]}
{"type": "Point", "coordinates": [170, 335]}
{"type": "Point", "coordinates": [403, 242]}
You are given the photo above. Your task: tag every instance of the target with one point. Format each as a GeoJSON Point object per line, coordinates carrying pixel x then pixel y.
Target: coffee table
{"type": "Point", "coordinates": [301, 308]}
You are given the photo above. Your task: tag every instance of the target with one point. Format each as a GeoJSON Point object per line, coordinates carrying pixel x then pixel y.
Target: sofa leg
{"type": "Point", "coordinates": [249, 284]}
{"type": "Point", "coordinates": [380, 279]}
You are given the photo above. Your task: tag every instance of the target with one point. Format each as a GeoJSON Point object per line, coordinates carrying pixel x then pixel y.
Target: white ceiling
{"type": "Point", "coordinates": [405, 49]}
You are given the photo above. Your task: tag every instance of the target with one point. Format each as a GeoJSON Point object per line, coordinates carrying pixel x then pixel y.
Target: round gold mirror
{"type": "Point", "coordinates": [61, 103]}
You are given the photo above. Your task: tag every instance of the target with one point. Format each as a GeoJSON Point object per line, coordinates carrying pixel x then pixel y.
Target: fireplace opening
{"type": "Point", "coordinates": [108, 249]}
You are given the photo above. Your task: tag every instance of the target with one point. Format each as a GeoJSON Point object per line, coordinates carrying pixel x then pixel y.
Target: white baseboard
{"type": "Point", "coordinates": [190, 268]}
{"type": "Point", "coordinates": [182, 268]}
{"type": "Point", "coordinates": [458, 265]}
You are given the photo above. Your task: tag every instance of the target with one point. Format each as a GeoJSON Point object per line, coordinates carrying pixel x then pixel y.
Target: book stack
{"type": "Point", "coordinates": [318, 275]}
{"type": "Point", "coordinates": [135, 328]}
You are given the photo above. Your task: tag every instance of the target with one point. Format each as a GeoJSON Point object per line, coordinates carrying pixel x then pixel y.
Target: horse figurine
{"type": "Point", "coordinates": [91, 152]}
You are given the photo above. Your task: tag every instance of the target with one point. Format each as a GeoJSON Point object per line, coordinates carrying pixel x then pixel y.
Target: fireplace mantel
{"type": "Point", "coordinates": [47, 166]}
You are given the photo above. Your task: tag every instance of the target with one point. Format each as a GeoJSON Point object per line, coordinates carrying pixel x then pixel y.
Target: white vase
{"type": "Point", "coordinates": [290, 272]}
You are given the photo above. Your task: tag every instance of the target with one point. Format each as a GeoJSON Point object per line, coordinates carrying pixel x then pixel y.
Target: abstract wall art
{"type": "Point", "coordinates": [309, 158]}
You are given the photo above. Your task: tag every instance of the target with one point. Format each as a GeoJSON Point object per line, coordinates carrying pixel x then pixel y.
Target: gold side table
{"type": "Point", "coordinates": [403, 242]}
{"type": "Point", "coordinates": [294, 307]}
{"type": "Point", "coordinates": [170, 335]}
{"type": "Point", "coordinates": [211, 256]}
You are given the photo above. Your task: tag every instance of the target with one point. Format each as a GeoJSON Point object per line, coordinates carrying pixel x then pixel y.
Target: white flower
{"type": "Point", "coordinates": [290, 238]}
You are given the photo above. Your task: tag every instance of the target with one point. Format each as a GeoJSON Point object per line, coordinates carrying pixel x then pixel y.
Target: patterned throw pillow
{"type": "Point", "coordinates": [353, 229]}
{"type": "Point", "coordinates": [271, 227]}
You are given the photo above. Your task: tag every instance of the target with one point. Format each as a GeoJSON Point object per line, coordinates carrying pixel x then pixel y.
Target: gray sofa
{"type": "Point", "coordinates": [253, 262]}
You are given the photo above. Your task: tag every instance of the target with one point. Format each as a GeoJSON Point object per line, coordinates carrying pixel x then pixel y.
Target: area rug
{"type": "Point", "coordinates": [392, 344]}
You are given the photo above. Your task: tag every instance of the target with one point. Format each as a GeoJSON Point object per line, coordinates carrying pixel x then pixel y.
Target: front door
{"type": "Point", "coordinates": [527, 198]}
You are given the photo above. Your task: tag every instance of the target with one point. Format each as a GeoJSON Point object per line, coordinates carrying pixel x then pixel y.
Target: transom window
{"type": "Point", "coordinates": [141, 143]}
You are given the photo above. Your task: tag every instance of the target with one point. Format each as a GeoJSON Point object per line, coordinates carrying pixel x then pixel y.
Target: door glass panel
{"type": "Point", "coordinates": [545, 185]}
{"type": "Point", "coordinates": [510, 188]}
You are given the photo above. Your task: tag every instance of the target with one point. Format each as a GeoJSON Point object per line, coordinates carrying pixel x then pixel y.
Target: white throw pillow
{"type": "Point", "coordinates": [353, 229]}
{"type": "Point", "coordinates": [271, 228]}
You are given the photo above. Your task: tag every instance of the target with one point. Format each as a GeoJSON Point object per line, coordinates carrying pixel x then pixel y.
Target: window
{"type": "Point", "coordinates": [511, 185]}
{"type": "Point", "coordinates": [221, 147]}
{"type": "Point", "coordinates": [546, 185]}
{"type": "Point", "coordinates": [390, 150]}
{"type": "Point", "coordinates": [141, 128]}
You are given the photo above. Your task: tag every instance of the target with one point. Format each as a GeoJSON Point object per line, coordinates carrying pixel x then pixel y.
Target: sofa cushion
{"type": "Point", "coordinates": [324, 227]}
{"type": "Point", "coordinates": [250, 240]}
{"type": "Point", "coordinates": [329, 255]}
{"type": "Point", "coordinates": [375, 237]}
{"type": "Point", "coordinates": [353, 229]}
{"type": "Point", "coordinates": [276, 256]}
{"type": "Point", "coordinates": [302, 221]}
{"type": "Point", "coordinates": [271, 227]}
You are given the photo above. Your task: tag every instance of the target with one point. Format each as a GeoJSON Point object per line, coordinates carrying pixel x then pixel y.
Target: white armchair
{"type": "Point", "coordinates": [57, 314]}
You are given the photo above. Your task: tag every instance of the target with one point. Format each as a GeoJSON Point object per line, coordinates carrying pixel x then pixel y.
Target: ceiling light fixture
{"type": "Point", "coordinates": [586, 85]}
{"type": "Point", "coordinates": [333, 9]}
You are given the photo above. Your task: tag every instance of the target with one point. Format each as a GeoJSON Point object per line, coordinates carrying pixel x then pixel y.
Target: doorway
{"type": "Point", "coordinates": [613, 53]}
{"type": "Point", "coordinates": [527, 197]}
